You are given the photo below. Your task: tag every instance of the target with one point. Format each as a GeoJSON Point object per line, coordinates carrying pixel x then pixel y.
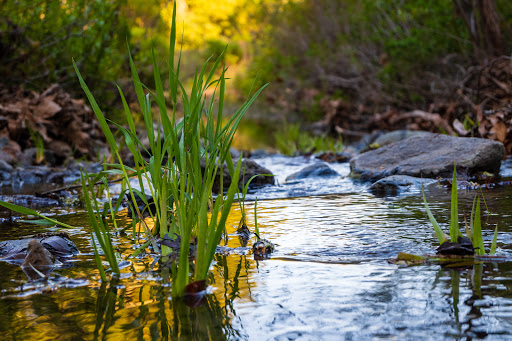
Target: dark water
{"type": "Point", "coordinates": [329, 278]}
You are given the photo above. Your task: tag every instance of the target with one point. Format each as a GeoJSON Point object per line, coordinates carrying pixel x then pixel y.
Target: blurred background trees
{"type": "Point", "coordinates": [321, 56]}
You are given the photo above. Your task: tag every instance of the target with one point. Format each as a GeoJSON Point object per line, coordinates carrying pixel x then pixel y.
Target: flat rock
{"type": "Point", "coordinates": [430, 156]}
{"type": "Point", "coordinates": [59, 245]}
{"type": "Point", "coordinates": [395, 136]}
{"type": "Point", "coordinates": [314, 170]}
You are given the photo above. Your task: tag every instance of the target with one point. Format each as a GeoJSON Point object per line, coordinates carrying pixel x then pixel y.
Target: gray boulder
{"type": "Point", "coordinates": [395, 136]}
{"type": "Point", "coordinates": [314, 170]}
{"type": "Point", "coordinates": [379, 139]}
{"type": "Point", "coordinates": [429, 155]}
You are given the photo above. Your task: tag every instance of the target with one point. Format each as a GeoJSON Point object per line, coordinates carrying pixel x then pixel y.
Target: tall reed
{"type": "Point", "coordinates": [180, 187]}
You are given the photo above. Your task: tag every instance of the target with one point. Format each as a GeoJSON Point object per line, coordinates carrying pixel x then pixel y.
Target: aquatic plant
{"type": "Point", "coordinates": [37, 139]}
{"type": "Point", "coordinates": [185, 157]}
{"type": "Point", "coordinates": [181, 188]}
{"type": "Point", "coordinates": [473, 231]}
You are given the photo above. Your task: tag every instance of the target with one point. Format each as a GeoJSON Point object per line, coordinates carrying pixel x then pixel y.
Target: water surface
{"type": "Point", "coordinates": [329, 278]}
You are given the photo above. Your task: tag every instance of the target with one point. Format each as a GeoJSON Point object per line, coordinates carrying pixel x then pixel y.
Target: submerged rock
{"type": "Point", "coordinates": [314, 170]}
{"type": "Point", "coordinates": [58, 244]}
{"type": "Point", "coordinates": [429, 155]}
{"type": "Point", "coordinates": [37, 253]}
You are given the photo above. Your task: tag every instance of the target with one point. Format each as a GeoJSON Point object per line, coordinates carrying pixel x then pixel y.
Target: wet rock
{"type": "Point", "coordinates": [258, 154]}
{"type": "Point", "coordinates": [429, 155]}
{"type": "Point", "coordinates": [331, 157]}
{"type": "Point", "coordinates": [5, 167]}
{"type": "Point", "coordinates": [29, 176]}
{"type": "Point", "coordinates": [379, 139]}
{"type": "Point", "coordinates": [314, 170]}
{"type": "Point", "coordinates": [29, 179]}
{"type": "Point", "coordinates": [58, 244]}
{"type": "Point", "coordinates": [249, 169]}
{"type": "Point", "coordinates": [262, 249]}
{"type": "Point", "coordinates": [394, 184]}
{"type": "Point", "coordinates": [38, 261]}
{"type": "Point", "coordinates": [463, 247]}
{"type": "Point", "coordinates": [37, 254]}
{"type": "Point", "coordinates": [395, 136]}
{"type": "Point", "coordinates": [5, 171]}
{"type": "Point", "coordinates": [30, 201]}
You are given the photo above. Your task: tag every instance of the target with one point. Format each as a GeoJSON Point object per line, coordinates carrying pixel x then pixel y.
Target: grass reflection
{"type": "Point", "coordinates": [148, 311]}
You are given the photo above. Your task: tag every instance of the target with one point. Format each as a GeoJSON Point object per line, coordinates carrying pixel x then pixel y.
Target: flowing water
{"type": "Point", "coordinates": [328, 279]}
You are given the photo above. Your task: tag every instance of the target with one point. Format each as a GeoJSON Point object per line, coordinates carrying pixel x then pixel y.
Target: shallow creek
{"type": "Point", "coordinates": [328, 279]}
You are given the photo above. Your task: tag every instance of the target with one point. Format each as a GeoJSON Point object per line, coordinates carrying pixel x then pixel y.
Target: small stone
{"type": "Point", "coordinates": [314, 170]}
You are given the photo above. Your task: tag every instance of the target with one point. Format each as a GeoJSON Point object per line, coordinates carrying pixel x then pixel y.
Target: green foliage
{"type": "Point", "coordinates": [454, 210]}
{"type": "Point", "coordinates": [400, 48]}
{"type": "Point", "coordinates": [473, 232]}
{"type": "Point", "coordinates": [39, 38]}
{"type": "Point", "coordinates": [291, 140]}
{"type": "Point", "coordinates": [181, 189]}
{"type": "Point", "coordinates": [28, 211]}
{"type": "Point", "coordinates": [99, 229]}
{"type": "Point", "coordinates": [439, 232]}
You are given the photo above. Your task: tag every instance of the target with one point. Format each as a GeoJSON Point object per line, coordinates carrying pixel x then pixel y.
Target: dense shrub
{"type": "Point", "coordinates": [38, 40]}
{"type": "Point", "coordinates": [403, 53]}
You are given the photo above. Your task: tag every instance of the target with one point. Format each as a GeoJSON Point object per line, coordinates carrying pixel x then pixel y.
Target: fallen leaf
{"type": "Point", "coordinates": [500, 130]}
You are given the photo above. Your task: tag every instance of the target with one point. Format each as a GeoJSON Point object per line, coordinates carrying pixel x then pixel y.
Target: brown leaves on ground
{"type": "Point", "coordinates": [479, 106]}
{"type": "Point", "coordinates": [65, 126]}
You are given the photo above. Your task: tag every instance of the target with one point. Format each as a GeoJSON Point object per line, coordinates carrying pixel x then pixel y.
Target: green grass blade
{"type": "Point", "coordinates": [478, 242]}
{"type": "Point", "coordinates": [256, 229]}
{"type": "Point", "coordinates": [97, 111]}
{"type": "Point", "coordinates": [439, 233]}
{"type": "Point", "coordinates": [99, 264]}
{"type": "Point", "coordinates": [40, 222]}
{"type": "Point", "coordinates": [471, 221]}
{"type": "Point", "coordinates": [28, 211]}
{"type": "Point", "coordinates": [454, 210]}
{"type": "Point", "coordinates": [494, 241]}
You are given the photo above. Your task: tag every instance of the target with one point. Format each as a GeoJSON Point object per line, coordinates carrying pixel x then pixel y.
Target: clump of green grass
{"type": "Point", "coordinates": [473, 231]}
{"type": "Point", "coordinates": [180, 187]}
{"type": "Point", "coordinates": [291, 140]}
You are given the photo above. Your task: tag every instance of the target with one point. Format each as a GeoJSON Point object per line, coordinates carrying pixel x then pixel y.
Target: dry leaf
{"type": "Point", "coordinates": [500, 131]}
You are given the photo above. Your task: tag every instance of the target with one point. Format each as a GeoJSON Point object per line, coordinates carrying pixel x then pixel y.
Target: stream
{"type": "Point", "coordinates": [328, 279]}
